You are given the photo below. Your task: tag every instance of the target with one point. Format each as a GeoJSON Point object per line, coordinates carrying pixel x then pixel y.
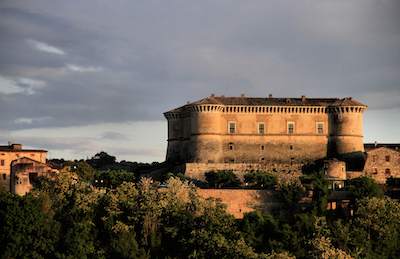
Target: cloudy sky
{"type": "Point", "coordinates": [77, 77]}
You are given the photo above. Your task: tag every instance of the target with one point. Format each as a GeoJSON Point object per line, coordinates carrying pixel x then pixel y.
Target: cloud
{"type": "Point", "coordinates": [83, 69]}
{"type": "Point", "coordinates": [24, 120]}
{"type": "Point", "coordinates": [154, 56]}
{"type": "Point", "coordinates": [44, 47]}
{"type": "Point", "coordinates": [22, 85]}
{"type": "Point", "coordinates": [134, 141]}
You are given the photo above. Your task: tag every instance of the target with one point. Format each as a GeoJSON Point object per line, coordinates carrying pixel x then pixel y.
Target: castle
{"type": "Point", "coordinates": [269, 130]}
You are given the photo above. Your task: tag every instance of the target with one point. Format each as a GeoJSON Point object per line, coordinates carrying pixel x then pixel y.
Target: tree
{"type": "Point", "coordinates": [220, 179]}
{"type": "Point", "coordinates": [113, 178]}
{"type": "Point", "coordinates": [26, 231]}
{"type": "Point", "coordinates": [102, 160]}
{"type": "Point", "coordinates": [83, 170]}
{"type": "Point", "coordinates": [260, 179]}
{"type": "Point", "coordinates": [376, 228]}
{"type": "Point", "coordinates": [364, 187]}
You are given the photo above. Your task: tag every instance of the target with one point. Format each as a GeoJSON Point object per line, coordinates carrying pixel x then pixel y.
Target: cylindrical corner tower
{"type": "Point", "coordinates": [205, 139]}
{"type": "Point", "coordinates": [346, 134]}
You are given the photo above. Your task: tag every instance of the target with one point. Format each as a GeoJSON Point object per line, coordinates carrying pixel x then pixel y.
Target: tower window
{"type": "Point", "coordinates": [231, 146]}
{"type": "Point", "coordinates": [320, 128]}
{"type": "Point", "coordinates": [262, 147]}
{"type": "Point", "coordinates": [2, 162]}
{"type": "Point", "coordinates": [290, 127]}
{"type": "Point", "coordinates": [232, 127]}
{"type": "Point", "coordinates": [261, 128]}
{"type": "Point", "coordinates": [262, 159]}
{"type": "Point", "coordinates": [291, 147]}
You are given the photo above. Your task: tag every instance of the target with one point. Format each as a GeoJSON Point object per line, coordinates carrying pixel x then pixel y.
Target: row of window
{"type": "Point", "coordinates": [375, 158]}
{"type": "Point", "coordinates": [319, 127]}
{"type": "Point", "coordinates": [231, 146]}
{"type": "Point", "coordinates": [387, 171]}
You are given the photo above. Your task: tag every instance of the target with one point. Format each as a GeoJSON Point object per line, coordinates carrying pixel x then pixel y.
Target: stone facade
{"type": "Point", "coordinates": [24, 171]}
{"type": "Point", "coordinates": [12, 152]}
{"type": "Point", "coordinates": [382, 163]}
{"type": "Point", "coordinates": [264, 130]}
{"type": "Point", "coordinates": [197, 170]}
{"type": "Point", "coordinates": [239, 202]}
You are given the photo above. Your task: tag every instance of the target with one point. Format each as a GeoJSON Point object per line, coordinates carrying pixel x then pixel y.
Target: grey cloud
{"type": "Point", "coordinates": [152, 56]}
{"type": "Point", "coordinates": [112, 135]}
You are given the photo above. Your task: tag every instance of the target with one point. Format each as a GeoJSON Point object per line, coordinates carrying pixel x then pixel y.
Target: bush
{"type": "Point", "coordinates": [364, 187]}
{"type": "Point", "coordinates": [260, 179]}
{"type": "Point", "coordinates": [221, 179]}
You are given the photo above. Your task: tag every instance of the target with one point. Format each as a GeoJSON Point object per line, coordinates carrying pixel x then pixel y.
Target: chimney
{"type": "Point", "coordinates": [303, 98]}
{"type": "Point", "coordinates": [376, 143]}
{"type": "Point", "coordinates": [212, 95]}
{"type": "Point", "coordinates": [270, 96]}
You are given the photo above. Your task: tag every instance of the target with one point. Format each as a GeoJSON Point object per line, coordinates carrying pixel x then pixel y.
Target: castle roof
{"type": "Point", "coordinates": [273, 101]}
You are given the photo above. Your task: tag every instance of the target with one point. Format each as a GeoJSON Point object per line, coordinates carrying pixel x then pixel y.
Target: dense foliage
{"type": "Point", "coordinates": [222, 179]}
{"type": "Point", "coordinates": [73, 216]}
{"type": "Point", "coordinates": [260, 179]}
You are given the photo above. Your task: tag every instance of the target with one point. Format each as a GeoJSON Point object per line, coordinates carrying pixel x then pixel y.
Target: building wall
{"type": "Point", "coordinates": [197, 170]}
{"type": "Point", "coordinates": [239, 202]}
{"type": "Point", "coordinates": [379, 168]}
{"type": "Point", "coordinates": [23, 172]}
{"type": "Point", "coordinates": [7, 156]}
{"type": "Point", "coordinates": [335, 169]}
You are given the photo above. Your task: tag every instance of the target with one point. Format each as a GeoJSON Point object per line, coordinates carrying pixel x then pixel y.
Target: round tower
{"type": "Point", "coordinates": [205, 141]}
{"type": "Point", "coordinates": [335, 169]}
{"type": "Point", "coordinates": [346, 123]}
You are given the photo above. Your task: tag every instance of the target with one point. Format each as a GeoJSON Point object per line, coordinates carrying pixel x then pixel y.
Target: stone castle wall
{"type": "Point", "coordinates": [239, 201]}
{"type": "Point", "coordinates": [197, 170]}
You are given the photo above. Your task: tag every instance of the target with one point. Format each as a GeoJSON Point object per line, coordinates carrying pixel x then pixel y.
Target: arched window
{"type": "Point", "coordinates": [231, 146]}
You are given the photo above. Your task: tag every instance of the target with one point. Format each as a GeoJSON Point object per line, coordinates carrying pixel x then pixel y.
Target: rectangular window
{"type": "Point", "coordinates": [290, 127]}
{"type": "Point", "coordinates": [232, 127]}
{"type": "Point", "coordinates": [261, 128]}
{"type": "Point", "coordinates": [387, 158]}
{"type": "Point", "coordinates": [320, 128]}
{"type": "Point", "coordinates": [2, 162]}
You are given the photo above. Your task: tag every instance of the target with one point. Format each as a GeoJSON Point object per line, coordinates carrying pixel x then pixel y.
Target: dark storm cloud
{"type": "Point", "coordinates": [133, 60]}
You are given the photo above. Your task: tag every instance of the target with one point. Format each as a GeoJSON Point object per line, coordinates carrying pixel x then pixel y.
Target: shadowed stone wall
{"type": "Point", "coordinates": [239, 201]}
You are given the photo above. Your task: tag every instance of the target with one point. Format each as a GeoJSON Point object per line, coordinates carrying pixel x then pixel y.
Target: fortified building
{"type": "Point", "coordinates": [222, 132]}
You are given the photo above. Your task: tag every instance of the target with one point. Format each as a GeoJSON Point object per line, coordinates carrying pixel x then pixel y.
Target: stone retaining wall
{"type": "Point", "coordinates": [240, 201]}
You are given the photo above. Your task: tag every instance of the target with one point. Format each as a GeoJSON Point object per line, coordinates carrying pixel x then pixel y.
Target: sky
{"type": "Point", "coordinates": [78, 77]}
